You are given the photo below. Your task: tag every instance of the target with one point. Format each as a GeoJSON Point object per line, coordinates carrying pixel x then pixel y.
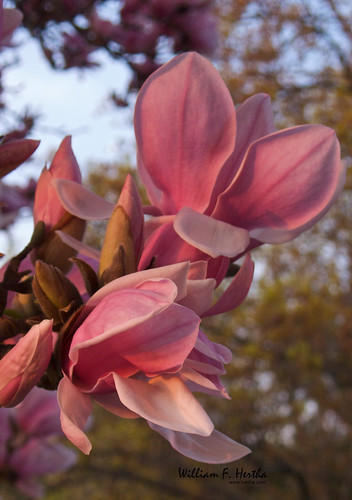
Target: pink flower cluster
{"type": "Point", "coordinates": [29, 446]}
{"type": "Point", "coordinates": [126, 333]}
{"type": "Point", "coordinates": [133, 27]}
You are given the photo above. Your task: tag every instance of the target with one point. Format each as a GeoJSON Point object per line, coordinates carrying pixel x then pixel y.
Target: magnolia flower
{"type": "Point", "coordinates": [24, 365]}
{"type": "Point", "coordinates": [222, 181]}
{"type": "Point", "coordinates": [48, 208]}
{"type": "Point", "coordinates": [80, 202]}
{"type": "Point", "coordinates": [127, 351]}
{"type": "Point", "coordinates": [28, 442]}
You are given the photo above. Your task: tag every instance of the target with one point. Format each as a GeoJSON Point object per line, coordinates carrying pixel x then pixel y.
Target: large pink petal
{"type": "Point", "coordinates": [185, 126]}
{"type": "Point", "coordinates": [22, 367]}
{"type": "Point", "coordinates": [175, 272]}
{"type": "Point", "coordinates": [277, 236]}
{"type": "Point", "coordinates": [81, 202]}
{"type": "Point", "coordinates": [214, 449]}
{"type": "Point", "coordinates": [254, 120]}
{"type": "Point", "coordinates": [164, 401]}
{"type": "Point", "coordinates": [149, 338]}
{"type": "Point", "coordinates": [76, 407]}
{"type": "Point", "coordinates": [285, 180]}
{"type": "Point", "coordinates": [164, 246]}
{"type": "Point", "coordinates": [236, 292]}
{"type": "Point", "coordinates": [121, 310]}
{"type": "Point", "coordinates": [209, 235]}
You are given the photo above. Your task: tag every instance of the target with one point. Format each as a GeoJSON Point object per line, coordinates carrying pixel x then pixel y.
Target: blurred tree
{"type": "Point", "coordinates": [298, 51]}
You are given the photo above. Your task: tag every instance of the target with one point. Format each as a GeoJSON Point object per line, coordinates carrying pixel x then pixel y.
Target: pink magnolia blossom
{"type": "Point", "coordinates": [127, 351]}
{"type": "Point", "coordinates": [28, 442]}
{"type": "Point", "coordinates": [23, 366]}
{"type": "Point", "coordinates": [80, 202]}
{"type": "Point", "coordinates": [47, 206]}
{"type": "Point", "coordinates": [220, 180]}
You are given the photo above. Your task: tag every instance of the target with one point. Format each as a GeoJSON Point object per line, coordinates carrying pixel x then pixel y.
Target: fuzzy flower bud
{"type": "Point", "coordinates": [118, 254]}
{"type": "Point", "coordinates": [55, 293]}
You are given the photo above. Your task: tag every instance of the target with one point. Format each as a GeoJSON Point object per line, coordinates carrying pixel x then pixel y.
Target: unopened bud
{"type": "Point", "coordinates": [24, 306]}
{"type": "Point", "coordinates": [55, 293]}
{"type": "Point", "coordinates": [118, 235]}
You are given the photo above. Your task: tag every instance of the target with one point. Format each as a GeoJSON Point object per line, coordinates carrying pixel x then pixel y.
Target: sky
{"type": "Point", "coordinates": [72, 102]}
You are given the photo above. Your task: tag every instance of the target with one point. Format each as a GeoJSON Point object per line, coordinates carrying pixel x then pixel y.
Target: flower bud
{"type": "Point", "coordinates": [55, 293]}
{"type": "Point", "coordinates": [23, 366]}
{"type": "Point", "coordinates": [118, 253]}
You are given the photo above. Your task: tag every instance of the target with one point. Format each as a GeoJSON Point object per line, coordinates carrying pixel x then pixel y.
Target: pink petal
{"type": "Point", "coordinates": [215, 351]}
{"type": "Point", "coordinates": [76, 407]}
{"type": "Point", "coordinates": [133, 326]}
{"type": "Point", "coordinates": [185, 126]}
{"type": "Point", "coordinates": [164, 246]}
{"type": "Point", "coordinates": [197, 270]}
{"type": "Point", "coordinates": [112, 403]}
{"type": "Point", "coordinates": [285, 180]}
{"type": "Point", "coordinates": [64, 163]}
{"type": "Point", "coordinates": [214, 449]}
{"type": "Point", "coordinates": [236, 292]}
{"type": "Point", "coordinates": [209, 235]}
{"type": "Point", "coordinates": [47, 206]}
{"type": "Point", "coordinates": [121, 310]}
{"type": "Point", "coordinates": [15, 152]}
{"type": "Point", "coordinates": [164, 401]}
{"type": "Point", "coordinates": [199, 295]}
{"type": "Point", "coordinates": [81, 202]}
{"type": "Point", "coordinates": [277, 236]}
{"type": "Point", "coordinates": [78, 245]}
{"type": "Point", "coordinates": [197, 382]}
{"type": "Point", "coordinates": [24, 365]}
{"type": "Point", "coordinates": [176, 273]}
{"type": "Point", "coordinates": [255, 118]}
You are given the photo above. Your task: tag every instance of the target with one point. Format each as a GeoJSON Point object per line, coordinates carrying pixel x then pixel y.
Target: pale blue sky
{"type": "Point", "coordinates": [71, 102]}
